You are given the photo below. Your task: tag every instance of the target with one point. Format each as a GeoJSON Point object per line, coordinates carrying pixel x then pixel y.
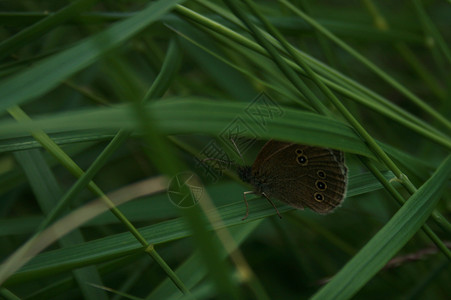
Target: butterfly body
{"type": "Point", "coordinates": [261, 182]}
{"type": "Point", "coordinates": [299, 175]}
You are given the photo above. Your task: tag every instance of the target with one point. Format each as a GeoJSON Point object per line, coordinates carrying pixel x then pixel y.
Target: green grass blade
{"type": "Point", "coordinates": [122, 244]}
{"type": "Point", "coordinates": [431, 30]}
{"type": "Point", "coordinates": [189, 271]}
{"type": "Point", "coordinates": [67, 162]}
{"type": "Point", "coordinates": [36, 30]}
{"type": "Point", "coordinates": [333, 78]}
{"type": "Point", "coordinates": [386, 77]}
{"type": "Point", "coordinates": [188, 115]}
{"type": "Point", "coordinates": [37, 80]}
{"type": "Point", "coordinates": [27, 142]}
{"type": "Point", "coordinates": [157, 206]}
{"type": "Point", "coordinates": [47, 191]}
{"type": "Point", "coordinates": [389, 240]}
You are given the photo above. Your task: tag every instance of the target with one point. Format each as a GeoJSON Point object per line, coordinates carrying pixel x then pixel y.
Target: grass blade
{"type": "Point", "coordinates": [389, 240]}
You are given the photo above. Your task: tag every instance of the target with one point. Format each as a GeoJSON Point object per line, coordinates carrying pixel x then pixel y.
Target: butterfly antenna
{"type": "Point", "coordinates": [237, 150]}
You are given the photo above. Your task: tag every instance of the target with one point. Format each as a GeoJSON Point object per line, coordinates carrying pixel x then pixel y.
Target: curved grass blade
{"type": "Point", "coordinates": [189, 115]}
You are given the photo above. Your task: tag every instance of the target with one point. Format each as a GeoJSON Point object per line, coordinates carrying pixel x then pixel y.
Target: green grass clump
{"type": "Point", "coordinates": [108, 107]}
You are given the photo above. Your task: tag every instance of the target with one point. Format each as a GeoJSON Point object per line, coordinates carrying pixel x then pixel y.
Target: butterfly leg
{"type": "Point", "coordinates": [273, 205]}
{"type": "Point", "coordinates": [247, 205]}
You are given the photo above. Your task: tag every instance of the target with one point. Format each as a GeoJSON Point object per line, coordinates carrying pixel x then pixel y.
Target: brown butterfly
{"type": "Point", "coordinates": [298, 175]}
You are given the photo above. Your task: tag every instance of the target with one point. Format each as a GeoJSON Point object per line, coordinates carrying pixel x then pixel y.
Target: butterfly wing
{"type": "Point", "coordinates": [301, 175]}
